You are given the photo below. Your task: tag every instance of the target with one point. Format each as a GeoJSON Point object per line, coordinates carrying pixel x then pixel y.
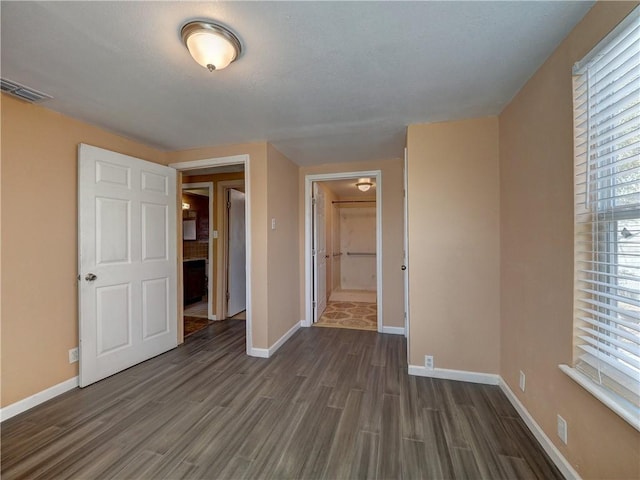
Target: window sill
{"type": "Point", "coordinates": [625, 410]}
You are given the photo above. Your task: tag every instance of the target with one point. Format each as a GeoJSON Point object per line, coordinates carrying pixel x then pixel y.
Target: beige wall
{"type": "Point", "coordinates": [536, 170]}
{"type": "Point", "coordinates": [282, 256]}
{"type": "Point", "coordinates": [392, 232]}
{"type": "Point", "coordinates": [39, 242]}
{"type": "Point", "coordinates": [454, 244]}
{"type": "Point", "coordinates": [257, 190]}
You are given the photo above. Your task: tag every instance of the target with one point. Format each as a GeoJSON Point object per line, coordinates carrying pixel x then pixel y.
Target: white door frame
{"type": "Point", "coordinates": [243, 159]}
{"type": "Point", "coordinates": [405, 263]}
{"type": "Point", "coordinates": [308, 233]}
{"type": "Point", "coordinates": [209, 186]}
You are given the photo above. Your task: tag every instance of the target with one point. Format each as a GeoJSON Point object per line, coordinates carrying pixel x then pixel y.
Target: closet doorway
{"type": "Point", "coordinates": [343, 250]}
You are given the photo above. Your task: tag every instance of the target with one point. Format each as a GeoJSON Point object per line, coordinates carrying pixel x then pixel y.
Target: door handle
{"type": "Point", "coordinates": [90, 277]}
{"type": "Point", "coordinates": [403, 267]}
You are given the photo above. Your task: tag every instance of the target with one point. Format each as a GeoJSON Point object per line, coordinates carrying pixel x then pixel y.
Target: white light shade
{"type": "Point", "coordinates": [364, 184]}
{"type": "Point", "coordinates": [211, 45]}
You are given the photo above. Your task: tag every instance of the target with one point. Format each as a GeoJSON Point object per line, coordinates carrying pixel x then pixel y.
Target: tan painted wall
{"type": "Point", "coordinates": [258, 201]}
{"type": "Point", "coordinates": [392, 232]}
{"type": "Point", "coordinates": [39, 242]}
{"type": "Point", "coordinates": [282, 257]}
{"type": "Point", "coordinates": [536, 169]}
{"type": "Point", "coordinates": [454, 256]}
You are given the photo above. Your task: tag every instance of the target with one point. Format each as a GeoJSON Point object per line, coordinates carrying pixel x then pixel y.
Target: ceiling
{"type": "Point", "coordinates": [322, 81]}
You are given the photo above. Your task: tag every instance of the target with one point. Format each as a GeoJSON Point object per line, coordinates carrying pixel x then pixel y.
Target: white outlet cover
{"type": "Point", "coordinates": [562, 429]}
{"type": "Point", "coordinates": [428, 362]}
{"type": "Point", "coordinates": [523, 380]}
{"type": "Point", "coordinates": [73, 355]}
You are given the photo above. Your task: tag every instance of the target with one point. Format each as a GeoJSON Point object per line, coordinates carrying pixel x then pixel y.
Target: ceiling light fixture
{"type": "Point", "coordinates": [211, 45]}
{"type": "Point", "coordinates": [364, 184]}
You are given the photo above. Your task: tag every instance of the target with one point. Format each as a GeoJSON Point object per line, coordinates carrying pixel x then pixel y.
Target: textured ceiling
{"type": "Point", "coordinates": [322, 81]}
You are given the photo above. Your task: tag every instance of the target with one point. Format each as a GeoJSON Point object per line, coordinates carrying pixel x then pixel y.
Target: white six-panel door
{"type": "Point", "coordinates": [127, 261]}
{"type": "Point", "coordinates": [319, 253]}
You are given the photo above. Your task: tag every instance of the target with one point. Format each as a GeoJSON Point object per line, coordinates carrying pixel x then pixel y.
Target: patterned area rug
{"type": "Point", "coordinates": [355, 315]}
{"type": "Point", "coordinates": [193, 324]}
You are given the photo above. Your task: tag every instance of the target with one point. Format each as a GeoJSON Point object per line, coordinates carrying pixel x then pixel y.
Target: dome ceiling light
{"type": "Point", "coordinates": [364, 184]}
{"type": "Point", "coordinates": [211, 45]}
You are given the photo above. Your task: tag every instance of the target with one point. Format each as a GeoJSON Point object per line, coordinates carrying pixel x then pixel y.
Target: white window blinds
{"type": "Point", "coordinates": [607, 212]}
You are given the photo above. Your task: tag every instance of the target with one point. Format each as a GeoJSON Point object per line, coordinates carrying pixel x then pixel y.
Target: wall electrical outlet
{"type": "Point", "coordinates": [562, 429]}
{"type": "Point", "coordinates": [522, 380]}
{"type": "Point", "coordinates": [428, 361]}
{"type": "Point", "coordinates": [73, 355]}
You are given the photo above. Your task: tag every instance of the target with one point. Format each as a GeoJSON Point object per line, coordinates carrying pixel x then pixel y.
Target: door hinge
{"type": "Point", "coordinates": [314, 304]}
{"type": "Point", "coordinates": [227, 295]}
{"type": "Point", "coordinates": [313, 201]}
{"type": "Point", "coordinates": [313, 252]}
{"type": "Point", "coordinates": [228, 205]}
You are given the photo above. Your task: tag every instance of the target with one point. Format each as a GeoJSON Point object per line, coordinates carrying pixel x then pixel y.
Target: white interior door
{"type": "Point", "coordinates": [237, 274]}
{"type": "Point", "coordinates": [405, 265]}
{"type": "Point", "coordinates": [127, 261]}
{"type": "Point", "coordinates": [319, 254]}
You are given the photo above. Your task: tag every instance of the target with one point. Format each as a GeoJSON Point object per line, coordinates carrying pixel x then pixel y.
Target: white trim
{"type": "Point", "coordinates": [393, 330]}
{"type": "Point", "coordinates": [210, 162]}
{"type": "Point", "coordinates": [556, 457]}
{"type": "Point", "coordinates": [308, 260]}
{"type": "Point", "coordinates": [244, 159]}
{"type": "Point", "coordinates": [268, 352]}
{"type": "Point", "coordinates": [459, 375]}
{"type": "Point", "coordinates": [604, 396]}
{"type": "Point", "coordinates": [37, 398]}
{"type": "Point", "coordinates": [209, 187]}
{"type": "Point", "coordinates": [273, 348]}
{"type": "Point", "coordinates": [258, 352]}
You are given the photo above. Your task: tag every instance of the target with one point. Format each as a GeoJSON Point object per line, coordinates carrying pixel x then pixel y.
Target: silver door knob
{"type": "Point", "coordinates": [403, 267]}
{"type": "Point", "coordinates": [90, 277]}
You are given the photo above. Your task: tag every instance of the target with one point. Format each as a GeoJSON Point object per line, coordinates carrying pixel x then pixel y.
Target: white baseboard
{"type": "Point", "coordinates": [460, 375]}
{"type": "Point", "coordinates": [491, 379]}
{"type": "Point", "coordinates": [273, 348]}
{"type": "Point", "coordinates": [258, 352]}
{"type": "Point", "coordinates": [37, 398]}
{"type": "Point", "coordinates": [266, 353]}
{"type": "Point", "coordinates": [393, 330]}
{"type": "Point", "coordinates": [558, 459]}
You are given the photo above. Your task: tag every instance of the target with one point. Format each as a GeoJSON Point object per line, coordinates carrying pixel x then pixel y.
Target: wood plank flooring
{"type": "Point", "coordinates": [330, 404]}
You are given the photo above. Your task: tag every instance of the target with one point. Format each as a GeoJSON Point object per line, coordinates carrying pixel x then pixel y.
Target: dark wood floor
{"type": "Point", "coordinates": [332, 403]}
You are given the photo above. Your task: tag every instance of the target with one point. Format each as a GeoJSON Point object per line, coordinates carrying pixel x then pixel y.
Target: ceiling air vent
{"type": "Point", "coordinates": [24, 93]}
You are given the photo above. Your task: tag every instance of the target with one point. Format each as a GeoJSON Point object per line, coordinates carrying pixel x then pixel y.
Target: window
{"type": "Point", "coordinates": [607, 215]}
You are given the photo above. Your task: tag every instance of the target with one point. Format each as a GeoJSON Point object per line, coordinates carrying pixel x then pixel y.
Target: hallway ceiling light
{"type": "Point", "coordinates": [211, 45]}
{"type": "Point", "coordinates": [364, 184]}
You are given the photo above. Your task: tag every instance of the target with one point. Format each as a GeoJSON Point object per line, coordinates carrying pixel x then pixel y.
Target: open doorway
{"type": "Point", "coordinates": [343, 250]}
{"type": "Point", "coordinates": [197, 246]}
{"type": "Point", "coordinates": [231, 277]}
{"type": "Point", "coordinates": [219, 171]}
